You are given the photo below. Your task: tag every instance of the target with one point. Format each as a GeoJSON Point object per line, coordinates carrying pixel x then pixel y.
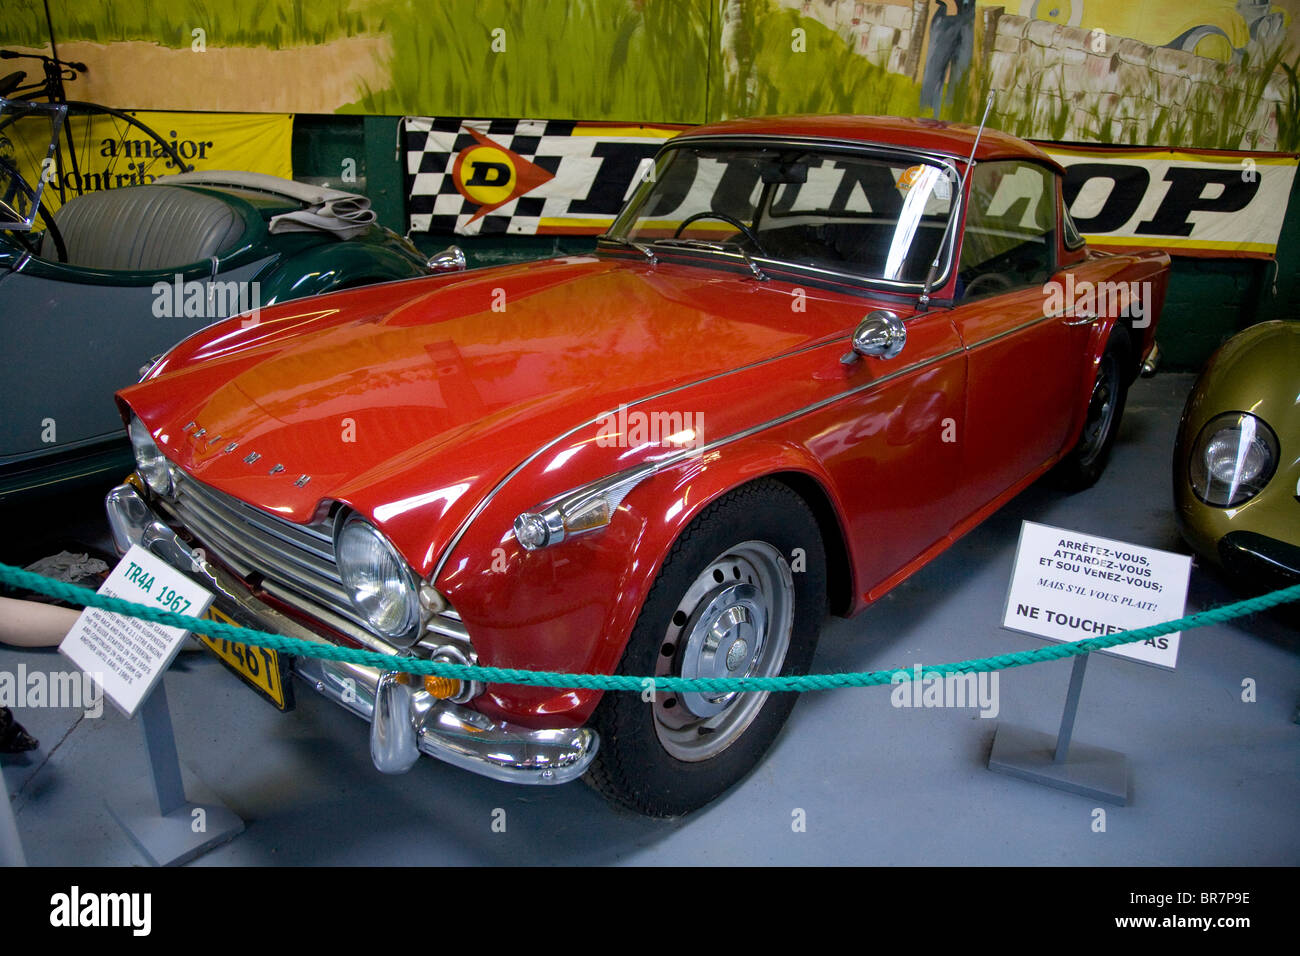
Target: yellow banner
{"type": "Point", "coordinates": [102, 151]}
{"type": "Point", "coordinates": [249, 142]}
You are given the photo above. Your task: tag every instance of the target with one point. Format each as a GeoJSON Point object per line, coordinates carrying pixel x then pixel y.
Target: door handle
{"type": "Point", "coordinates": [1086, 318]}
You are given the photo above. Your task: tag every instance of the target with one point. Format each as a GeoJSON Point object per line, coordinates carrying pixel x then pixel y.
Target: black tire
{"type": "Point", "coordinates": [1084, 465]}
{"type": "Point", "coordinates": [673, 756]}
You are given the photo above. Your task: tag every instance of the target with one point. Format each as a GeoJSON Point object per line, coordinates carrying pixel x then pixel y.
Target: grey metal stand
{"type": "Point", "coordinates": [165, 826]}
{"type": "Point", "coordinates": [11, 847]}
{"type": "Point", "coordinates": [1078, 768]}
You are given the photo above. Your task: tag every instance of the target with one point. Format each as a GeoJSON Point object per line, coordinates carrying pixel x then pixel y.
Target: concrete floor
{"type": "Point", "coordinates": [1214, 781]}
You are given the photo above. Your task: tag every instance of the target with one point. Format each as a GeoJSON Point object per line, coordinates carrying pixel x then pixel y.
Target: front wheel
{"type": "Point", "coordinates": [742, 594]}
{"type": "Point", "coordinates": [1083, 466]}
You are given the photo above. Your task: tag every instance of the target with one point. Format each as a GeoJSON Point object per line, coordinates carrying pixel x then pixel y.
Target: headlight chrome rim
{"type": "Point", "coordinates": [394, 617]}
{"type": "Point", "coordinates": [1233, 459]}
{"type": "Point", "coordinates": [150, 463]}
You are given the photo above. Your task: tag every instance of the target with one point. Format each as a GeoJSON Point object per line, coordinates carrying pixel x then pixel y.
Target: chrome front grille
{"type": "Point", "coordinates": [295, 562]}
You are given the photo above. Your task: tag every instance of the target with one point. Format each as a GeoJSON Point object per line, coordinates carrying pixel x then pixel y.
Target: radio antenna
{"type": "Point", "coordinates": [988, 106]}
{"type": "Point", "coordinates": [924, 302]}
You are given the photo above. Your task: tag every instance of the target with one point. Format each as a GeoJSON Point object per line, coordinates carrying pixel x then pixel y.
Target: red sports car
{"type": "Point", "coordinates": [809, 355]}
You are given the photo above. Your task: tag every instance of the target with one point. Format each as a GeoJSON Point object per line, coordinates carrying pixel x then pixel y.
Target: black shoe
{"type": "Point", "coordinates": [13, 739]}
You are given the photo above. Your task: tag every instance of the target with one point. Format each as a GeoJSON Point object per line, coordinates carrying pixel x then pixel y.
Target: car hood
{"type": "Point", "coordinates": [410, 401]}
{"type": "Point", "coordinates": [1255, 371]}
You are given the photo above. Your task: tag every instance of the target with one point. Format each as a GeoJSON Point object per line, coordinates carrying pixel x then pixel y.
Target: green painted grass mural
{"type": "Point", "coordinates": [635, 60]}
{"type": "Point", "coordinates": [683, 61]}
{"type": "Point", "coordinates": [782, 62]}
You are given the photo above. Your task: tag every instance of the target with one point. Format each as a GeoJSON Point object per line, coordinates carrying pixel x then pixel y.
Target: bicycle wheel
{"type": "Point", "coordinates": [18, 200]}
{"type": "Point", "coordinates": [104, 148]}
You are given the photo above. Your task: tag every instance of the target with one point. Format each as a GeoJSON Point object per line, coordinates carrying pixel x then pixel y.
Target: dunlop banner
{"type": "Point", "coordinates": [537, 177]}
{"type": "Point", "coordinates": [1187, 202]}
{"type": "Point", "coordinates": [523, 177]}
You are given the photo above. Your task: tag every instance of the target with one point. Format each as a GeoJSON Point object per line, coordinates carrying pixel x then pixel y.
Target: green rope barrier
{"type": "Point", "coordinates": [508, 675]}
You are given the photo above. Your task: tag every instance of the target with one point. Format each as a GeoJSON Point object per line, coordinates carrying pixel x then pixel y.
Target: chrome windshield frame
{"type": "Point", "coordinates": [873, 150]}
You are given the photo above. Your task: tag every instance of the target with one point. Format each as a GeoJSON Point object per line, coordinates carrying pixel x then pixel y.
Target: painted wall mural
{"type": "Point", "coordinates": [1199, 73]}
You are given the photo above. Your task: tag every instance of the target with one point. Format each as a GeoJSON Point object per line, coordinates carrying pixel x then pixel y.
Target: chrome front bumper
{"type": "Point", "coordinates": [450, 732]}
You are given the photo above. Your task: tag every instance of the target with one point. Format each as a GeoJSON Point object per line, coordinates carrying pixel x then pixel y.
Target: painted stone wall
{"type": "Point", "coordinates": [1090, 86]}
{"type": "Point", "coordinates": [885, 34]}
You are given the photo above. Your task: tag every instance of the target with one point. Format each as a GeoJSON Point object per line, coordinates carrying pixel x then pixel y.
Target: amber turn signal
{"type": "Point", "coordinates": [441, 687]}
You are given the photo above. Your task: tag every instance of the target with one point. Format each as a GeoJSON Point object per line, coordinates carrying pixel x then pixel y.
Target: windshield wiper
{"type": "Point", "coordinates": [716, 247]}
{"type": "Point", "coordinates": [639, 247]}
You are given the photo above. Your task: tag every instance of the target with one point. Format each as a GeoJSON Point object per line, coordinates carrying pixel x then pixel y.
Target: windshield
{"type": "Point", "coordinates": [878, 218]}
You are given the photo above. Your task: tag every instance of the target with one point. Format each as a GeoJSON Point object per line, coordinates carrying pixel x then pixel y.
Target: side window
{"type": "Point", "coordinates": [1010, 237]}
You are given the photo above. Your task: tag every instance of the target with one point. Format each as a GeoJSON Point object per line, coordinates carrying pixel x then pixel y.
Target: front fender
{"type": "Point", "coordinates": [572, 607]}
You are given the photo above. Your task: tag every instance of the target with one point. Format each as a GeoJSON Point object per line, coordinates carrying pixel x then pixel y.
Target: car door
{"type": "Point", "coordinates": [1024, 359]}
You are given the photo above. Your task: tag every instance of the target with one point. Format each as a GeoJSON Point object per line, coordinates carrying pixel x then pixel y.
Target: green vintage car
{"type": "Point", "coordinates": [92, 293]}
{"type": "Point", "coordinates": [1237, 460]}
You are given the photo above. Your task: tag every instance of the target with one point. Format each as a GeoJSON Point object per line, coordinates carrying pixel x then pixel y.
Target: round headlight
{"type": "Point", "coordinates": [379, 583]}
{"type": "Point", "coordinates": [1233, 459]}
{"type": "Point", "coordinates": [149, 461]}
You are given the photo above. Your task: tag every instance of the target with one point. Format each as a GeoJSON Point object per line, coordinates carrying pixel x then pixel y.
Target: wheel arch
{"type": "Point", "coordinates": [798, 470]}
{"type": "Point", "coordinates": [839, 574]}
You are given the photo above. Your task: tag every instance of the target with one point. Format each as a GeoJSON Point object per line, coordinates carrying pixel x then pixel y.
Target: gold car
{"type": "Point", "coordinates": [1237, 460]}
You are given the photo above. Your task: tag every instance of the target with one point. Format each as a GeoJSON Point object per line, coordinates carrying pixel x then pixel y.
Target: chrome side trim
{"type": "Point", "coordinates": [1012, 331]}
{"type": "Point", "coordinates": [1064, 313]}
{"type": "Point", "coordinates": [636, 475]}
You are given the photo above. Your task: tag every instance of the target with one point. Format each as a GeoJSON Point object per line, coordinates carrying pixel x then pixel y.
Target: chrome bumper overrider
{"type": "Point", "coordinates": [450, 732]}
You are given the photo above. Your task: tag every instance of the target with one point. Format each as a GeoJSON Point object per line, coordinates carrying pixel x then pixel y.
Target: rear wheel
{"type": "Point", "coordinates": [742, 594]}
{"type": "Point", "coordinates": [1083, 466]}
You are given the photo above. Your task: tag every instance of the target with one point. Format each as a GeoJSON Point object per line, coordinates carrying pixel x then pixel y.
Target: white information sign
{"type": "Point", "coordinates": [126, 654]}
{"type": "Point", "coordinates": [1068, 586]}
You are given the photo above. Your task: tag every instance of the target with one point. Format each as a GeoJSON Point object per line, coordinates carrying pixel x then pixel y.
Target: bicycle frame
{"type": "Point", "coordinates": [10, 112]}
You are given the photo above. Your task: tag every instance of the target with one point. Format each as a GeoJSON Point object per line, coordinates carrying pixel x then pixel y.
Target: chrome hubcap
{"type": "Point", "coordinates": [723, 640]}
{"type": "Point", "coordinates": [733, 621]}
{"type": "Point", "coordinates": [1101, 410]}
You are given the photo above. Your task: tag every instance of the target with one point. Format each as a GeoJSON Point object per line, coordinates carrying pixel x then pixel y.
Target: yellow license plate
{"type": "Point", "coordinates": [258, 667]}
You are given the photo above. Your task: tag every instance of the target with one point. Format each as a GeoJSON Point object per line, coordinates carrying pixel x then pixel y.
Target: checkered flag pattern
{"type": "Point", "coordinates": [587, 170]}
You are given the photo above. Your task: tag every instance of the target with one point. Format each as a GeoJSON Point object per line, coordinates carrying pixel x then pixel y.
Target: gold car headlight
{"type": "Point", "coordinates": [1232, 460]}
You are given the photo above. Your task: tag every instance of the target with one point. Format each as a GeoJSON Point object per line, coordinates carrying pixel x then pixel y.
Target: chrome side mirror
{"type": "Point", "coordinates": [451, 259]}
{"type": "Point", "coordinates": [880, 334]}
